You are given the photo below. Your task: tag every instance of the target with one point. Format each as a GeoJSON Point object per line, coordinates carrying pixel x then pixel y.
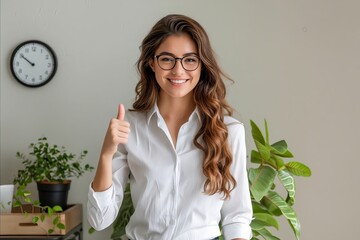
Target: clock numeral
{"type": "Point", "coordinates": [33, 79]}
{"type": "Point", "coordinates": [47, 56]}
{"type": "Point", "coordinates": [26, 76]}
{"type": "Point", "coordinates": [17, 64]}
{"type": "Point", "coordinates": [33, 49]}
{"type": "Point", "coordinates": [40, 78]}
{"type": "Point", "coordinates": [47, 72]}
{"type": "Point", "coordinates": [20, 71]}
{"type": "Point", "coordinates": [49, 65]}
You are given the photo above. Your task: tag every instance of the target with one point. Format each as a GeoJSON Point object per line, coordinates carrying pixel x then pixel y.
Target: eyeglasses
{"type": "Point", "coordinates": [168, 62]}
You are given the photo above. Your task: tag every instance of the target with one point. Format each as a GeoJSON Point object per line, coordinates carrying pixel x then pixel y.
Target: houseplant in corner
{"type": "Point", "coordinates": [268, 204]}
{"type": "Point", "coordinates": [52, 168]}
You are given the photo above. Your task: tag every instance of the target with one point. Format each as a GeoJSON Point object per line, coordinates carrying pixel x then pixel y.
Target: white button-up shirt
{"type": "Point", "coordinates": [167, 184]}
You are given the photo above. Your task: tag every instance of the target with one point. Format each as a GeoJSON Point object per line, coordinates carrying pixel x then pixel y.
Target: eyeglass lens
{"type": "Point", "coordinates": [167, 62]}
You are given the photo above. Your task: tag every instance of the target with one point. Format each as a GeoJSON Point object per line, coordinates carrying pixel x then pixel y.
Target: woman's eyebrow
{"type": "Point", "coordinates": [173, 55]}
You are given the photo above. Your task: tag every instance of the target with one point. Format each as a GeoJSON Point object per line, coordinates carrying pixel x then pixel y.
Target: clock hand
{"type": "Point", "coordinates": [22, 55]}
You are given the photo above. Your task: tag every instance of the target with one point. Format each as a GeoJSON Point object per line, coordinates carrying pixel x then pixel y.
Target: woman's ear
{"type": "Point", "coordinates": [151, 63]}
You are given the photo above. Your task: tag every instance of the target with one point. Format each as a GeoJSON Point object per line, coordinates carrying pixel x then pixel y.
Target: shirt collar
{"type": "Point", "coordinates": [155, 110]}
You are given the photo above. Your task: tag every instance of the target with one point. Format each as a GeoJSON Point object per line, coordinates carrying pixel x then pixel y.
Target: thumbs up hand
{"type": "Point", "coordinates": [117, 133]}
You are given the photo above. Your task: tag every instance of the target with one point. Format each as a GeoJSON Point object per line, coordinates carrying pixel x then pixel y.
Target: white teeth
{"type": "Point", "coordinates": [178, 81]}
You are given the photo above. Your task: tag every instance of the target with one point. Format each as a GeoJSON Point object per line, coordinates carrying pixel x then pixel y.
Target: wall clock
{"type": "Point", "coordinates": [33, 63]}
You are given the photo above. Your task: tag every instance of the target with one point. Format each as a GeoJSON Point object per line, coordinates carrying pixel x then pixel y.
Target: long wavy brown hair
{"type": "Point", "coordinates": [209, 96]}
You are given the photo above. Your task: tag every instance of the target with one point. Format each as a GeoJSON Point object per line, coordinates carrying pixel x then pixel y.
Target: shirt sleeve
{"type": "Point", "coordinates": [103, 207]}
{"type": "Point", "coordinates": [236, 213]}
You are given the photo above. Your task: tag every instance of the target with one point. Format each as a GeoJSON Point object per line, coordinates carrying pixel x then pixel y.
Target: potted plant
{"type": "Point", "coordinates": [52, 168]}
{"type": "Point", "coordinates": [267, 203]}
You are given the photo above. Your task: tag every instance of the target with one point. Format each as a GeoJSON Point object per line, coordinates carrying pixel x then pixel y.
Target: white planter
{"type": "Point", "coordinates": [6, 196]}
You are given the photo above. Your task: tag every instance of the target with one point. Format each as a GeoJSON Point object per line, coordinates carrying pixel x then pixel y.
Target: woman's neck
{"type": "Point", "coordinates": [176, 108]}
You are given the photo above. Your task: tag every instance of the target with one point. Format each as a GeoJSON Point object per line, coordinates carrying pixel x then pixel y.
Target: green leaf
{"type": "Point", "coordinates": [60, 226]}
{"type": "Point", "coordinates": [255, 157]}
{"type": "Point", "coordinates": [268, 219]}
{"type": "Point", "coordinates": [258, 207]}
{"type": "Point", "coordinates": [266, 132]}
{"type": "Point", "coordinates": [57, 208]}
{"type": "Point", "coordinates": [263, 150]}
{"type": "Point", "coordinates": [298, 169]}
{"type": "Point", "coordinates": [266, 234]}
{"type": "Point", "coordinates": [50, 231]}
{"type": "Point", "coordinates": [257, 224]}
{"type": "Point", "coordinates": [288, 182]}
{"type": "Point", "coordinates": [91, 230]}
{"type": "Point", "coordinates": [256, 133]}
{"type": "Point", "coordinates": [286, 210]}
{"type": "Point", "coordinates": [261, 180]}
{"type": "Point", "coordinates": [35, 219]}
{"type": "Point", "coordinates": [56, 220]}
{"type": "Point", "coordinates": [280, 164]}
{"type": "Point", "coordinates": [50, 211]}
{"type": "Point", "coordinates": [280, 147]}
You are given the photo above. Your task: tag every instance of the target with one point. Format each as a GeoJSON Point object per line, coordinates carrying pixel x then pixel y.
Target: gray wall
{"type": "Point", "coordinates": [295, 63]}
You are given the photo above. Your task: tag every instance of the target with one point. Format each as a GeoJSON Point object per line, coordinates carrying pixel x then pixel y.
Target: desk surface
{"type": "Point", "coordinates": [75, 233]}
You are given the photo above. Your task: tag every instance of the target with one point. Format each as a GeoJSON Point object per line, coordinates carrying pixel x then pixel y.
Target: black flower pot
{"type": "Point", "coordinates": [52, 194]}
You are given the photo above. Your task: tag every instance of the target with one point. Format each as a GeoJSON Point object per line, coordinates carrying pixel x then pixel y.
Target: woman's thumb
{"type": "Point", "coordinates": [121, 112]}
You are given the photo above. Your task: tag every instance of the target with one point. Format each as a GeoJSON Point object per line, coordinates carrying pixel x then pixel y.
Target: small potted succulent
{"type": "Point", "coordinates": [52, 168]}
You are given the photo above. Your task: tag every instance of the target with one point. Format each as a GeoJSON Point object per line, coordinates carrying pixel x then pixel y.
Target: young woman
{"type": "Point", "coordinates": [179, 147]}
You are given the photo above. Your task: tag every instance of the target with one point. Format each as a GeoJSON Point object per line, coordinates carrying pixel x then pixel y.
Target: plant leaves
{"type": "Point", "coordinates": [125, 212]}
{"type": "Point", "coordinates": [263, 150]}
{"type": "Point", "coordinates": [267, 235]}
{"type": "Point", "coordinates": [289, 183]}
{"type": "Point", "coordinates": [261, 180]}
{"type": "Point", "coordinates": [258, 207]}
{"type": "Point", "coordinates": [60, 226]}
{"type": "Point", "coordinates": [56, 220]}
{"type": "Point", "coordinates": [286, 210]}
{"type": "Point", "coordinates": [266, 132]}
{"type": "Point", "coordinates": [57, 208]}
{"type": "Point", "coordinates": [298, 169]}
{"type": "Point", "coordinates": [35, 219]}
{"type": "Point", "coordinates": [255, 157]}
{"type": "Point", "coordinates": [267, 219]}
{"type": "Point", "coordinates": [279, 147]}
{"type": "Point", "coordinates": [256, 133]}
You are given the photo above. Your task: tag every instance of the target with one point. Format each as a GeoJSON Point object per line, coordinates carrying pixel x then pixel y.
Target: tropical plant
{"type": "Point", "coordinates": [267, 203]}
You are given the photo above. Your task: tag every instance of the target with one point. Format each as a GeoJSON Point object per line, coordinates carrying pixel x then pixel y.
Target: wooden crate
{"type": "Point", "coordinates": [17, 223]}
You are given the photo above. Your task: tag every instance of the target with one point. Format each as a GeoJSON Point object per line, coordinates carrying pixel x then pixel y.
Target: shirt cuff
{"type": "Point", "coordinates": [100, 199]}
{"type": "Point", "coordinates": [237, 230]}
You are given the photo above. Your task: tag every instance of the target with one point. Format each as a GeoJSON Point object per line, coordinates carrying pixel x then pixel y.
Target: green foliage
{"type": "Point", "coordinates": [46, 211]}
{"type": "Point", "coordinates": [125, 212]}
{"type": "Point", "coordinates": [267, 203]}
{"type": "Point", "coordinates": [47, 163]}
{"type": "Point", "coordinates": [50, 163]}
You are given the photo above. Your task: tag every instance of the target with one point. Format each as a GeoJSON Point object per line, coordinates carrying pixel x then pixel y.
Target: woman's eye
{"type": "Point", "coordinates": [166, 59]}
{"type": "Point", "coordinates": [191, 60]}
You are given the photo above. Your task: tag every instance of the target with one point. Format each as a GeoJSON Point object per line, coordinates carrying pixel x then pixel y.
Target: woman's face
{"type": "Point", "coordinates": [177, 82]}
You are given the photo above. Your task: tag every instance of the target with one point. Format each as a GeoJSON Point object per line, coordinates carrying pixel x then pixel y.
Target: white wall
{"type": "Point", "coordinates": [295, 63]}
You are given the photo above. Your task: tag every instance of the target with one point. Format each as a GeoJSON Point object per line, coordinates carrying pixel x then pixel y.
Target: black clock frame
{"type": "Point", "coordinates": [50, 50]}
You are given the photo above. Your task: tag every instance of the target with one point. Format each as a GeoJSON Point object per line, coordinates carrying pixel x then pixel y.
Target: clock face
{"type": "Point", "coordinates": [33, 63]}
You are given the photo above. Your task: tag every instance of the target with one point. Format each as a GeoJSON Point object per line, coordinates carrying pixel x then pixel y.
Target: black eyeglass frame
{"type": "Point", "coordinates": [177, 58]}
